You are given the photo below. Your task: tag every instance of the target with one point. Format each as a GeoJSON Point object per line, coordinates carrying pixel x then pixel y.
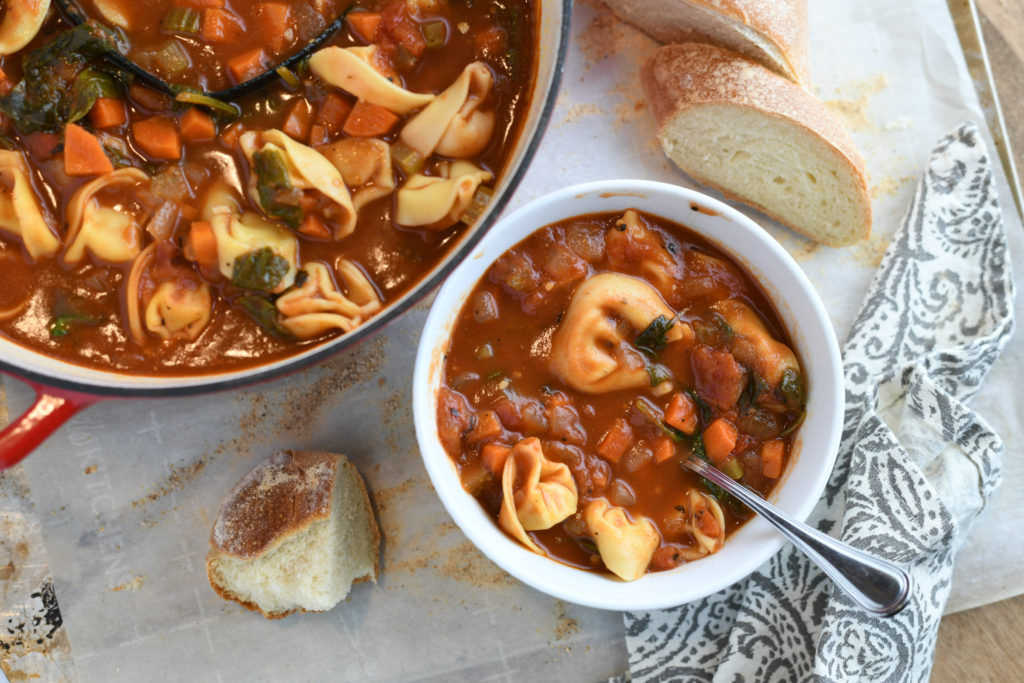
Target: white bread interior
{"type": "Point", "coordinates": [732, 124]}
{"type": "Point", "coordinates": [771, 32]}
{"type": "Point", "coordinates": [294, 534]}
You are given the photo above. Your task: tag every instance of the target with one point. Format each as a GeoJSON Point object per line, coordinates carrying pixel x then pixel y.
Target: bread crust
{"type": "Point", "coordinates": [282, 496]}
{"type": "Point", "coordinates": [782, 23]}
{"type": "Point", "coordinates": [678, 77]}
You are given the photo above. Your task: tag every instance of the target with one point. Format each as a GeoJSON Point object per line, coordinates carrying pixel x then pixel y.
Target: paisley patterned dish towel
{"type": "Point", "coordinates": [916, 465]}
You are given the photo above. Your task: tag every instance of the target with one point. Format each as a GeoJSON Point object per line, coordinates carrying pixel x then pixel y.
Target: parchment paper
{"type": "Point", "coordinates": [127, 491]}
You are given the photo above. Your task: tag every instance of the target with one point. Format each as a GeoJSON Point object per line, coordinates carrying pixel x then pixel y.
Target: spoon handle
{"type": "Point", "coordinates": [878, 586]}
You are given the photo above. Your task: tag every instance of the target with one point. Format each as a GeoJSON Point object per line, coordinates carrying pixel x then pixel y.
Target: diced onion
{"type": "Point", "coordinates": [171, 60]}
{"type": "Point", "coordinates": [435, 33]}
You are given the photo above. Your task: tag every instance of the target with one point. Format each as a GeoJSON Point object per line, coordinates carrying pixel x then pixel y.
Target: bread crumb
{"type": "Point", "coordinates": [889, 186]}
{"type": "Point", "coordinates": [565, 626]}
{"type": "Point", "coordinates": [901, 123]}
{"type": "Point", "coordinates": [852, 110]}
{"type": "Point", "coordinates": [132, 585]}
{"type": "Point", "coordinates": [178, 477]}
{"type": "Point", "coordinates": [90, 469]}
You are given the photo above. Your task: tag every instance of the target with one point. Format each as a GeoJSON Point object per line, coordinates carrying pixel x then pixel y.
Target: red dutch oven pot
{"type": "Point", "coordinates": [62, 389]}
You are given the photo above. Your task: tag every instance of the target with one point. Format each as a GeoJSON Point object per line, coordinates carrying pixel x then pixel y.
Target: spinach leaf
{"type": "Point", "coordinates": [90, 85]}
{"type": "Point", "coordinates": [265, 314]}
{"type": "Point", "coordinates": [652, 339]}
{"type": "Point", "coordinates": [792, 388]}
{"type": "Point", "coordinates": [277, 195]}
{"type": "Point", "coordinates": [658, 374]}
{"type": "Point", "coordinates": [69, 311]}
{"type": "Point", "coordinates": [713, 488]}
{"type": "Point", "coordinates": [45, 97]}
{"type": "Point", "coordinates": [260, 270]}
{"type": "Point", "coordinates": [703, 409]}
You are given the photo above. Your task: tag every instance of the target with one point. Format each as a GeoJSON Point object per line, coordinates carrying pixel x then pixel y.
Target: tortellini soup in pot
{"type": "Point", "coordinates": [153, 235]}
{"type": "Point", "coordinates": [587, 363]}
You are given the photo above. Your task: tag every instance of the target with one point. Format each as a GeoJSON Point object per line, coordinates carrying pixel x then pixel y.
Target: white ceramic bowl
{"type": "Point", "coordinates": [798, 306]}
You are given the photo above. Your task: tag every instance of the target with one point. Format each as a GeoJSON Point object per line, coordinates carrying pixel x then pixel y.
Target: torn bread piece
{"type": "Point", "coordinates": [294, 534]}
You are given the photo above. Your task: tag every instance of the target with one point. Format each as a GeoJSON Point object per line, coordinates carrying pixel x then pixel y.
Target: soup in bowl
{"type": "Point", "coordinates": [587, 348]}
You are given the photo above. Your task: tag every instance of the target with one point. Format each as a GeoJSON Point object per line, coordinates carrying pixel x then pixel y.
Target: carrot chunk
{"type": "Point", "coordinates": [314, 227]}
{"type": "Point", "coordinates": [318, 135]}
{"type": "Point", "coordinates": [493, 456]}
{"type": "Point", "coordinates": [365, 25]}
{"type": "Point", "coordinates": [334, 112]}
{"type": "Point", "coordinates": [403, 28]}
{"type": "Point", "coordinates": [719, 440]}
{"type": "Point", "coordinates": [664, 449]}
{"type": "Point", "coordinates": [201, 246]}
{"type": "Point", "coordinates": [369, 120]}
{"type": "Point", "coordinates": [247, 64]}
{"type": "Point", "coordinates": [299, 119]}
{"type": "Point", "coordinates": [197, 125]}
{"type": "Point", "coordinates": [487, 426]}
{"type": "Point", "coordinates": [158, 137]}
{"type": "Point", "coordinates": [107, 112]}
{"type": "Point", "coordinates": [275, 25]}
{"type": "Point", "coordinates": [83, 153]}
{"type": "Point", "coordinates": [221, 26]}
{"type": "Point", "coordinates": [771, 453]}
{"type": "Point", "coordinates": [616, 440]}
{"type": "Point", "coordinates": [681, 413]}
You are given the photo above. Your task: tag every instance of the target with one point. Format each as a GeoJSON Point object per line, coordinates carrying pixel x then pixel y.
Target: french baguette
{"type": "Point", "coordinates": [771, 32]}
{"type": "Point", "coordinates": [731, 123]}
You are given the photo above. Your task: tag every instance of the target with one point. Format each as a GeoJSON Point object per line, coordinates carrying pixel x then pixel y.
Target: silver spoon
{"type": "Point", "coordinates": [878, 586]}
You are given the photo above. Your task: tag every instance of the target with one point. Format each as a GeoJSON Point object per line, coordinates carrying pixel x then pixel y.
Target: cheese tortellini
{"type": "Point", "coordinates": [769, 358]}
{"type": "Point", "coordinates": [317, 306]}
{"type": "Point", "coordinates": [172, 304]}
{"type": "Point", "coordinates": [21, 23]}
{"type": "Point", "coordinates": [438, 202]}
{"type": "Point", "coordinates": [536, 492]}
{"type": "Point", "coordinates": [20, 212]}
{"type": "Point", "coordinates": [109, 233]}
{"type": "Point", "coordinates": [304, 168]}
{"type": "Point", "coordinates": [239, 234]}
{"type": "Point", "coordinates": [592, 348]}
{"type": "Point", "coordinates": [705, 521]}
{"type": "Point", "coordinates": [453, 124]}
{"type": "Point", "coordinates": [352, 69]}
{"type": "Point", "coordinates": [626, 546]}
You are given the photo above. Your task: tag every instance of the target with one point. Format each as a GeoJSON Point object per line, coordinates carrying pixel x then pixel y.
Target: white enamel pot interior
{"type": "Point", "coordinates": [801, 311]}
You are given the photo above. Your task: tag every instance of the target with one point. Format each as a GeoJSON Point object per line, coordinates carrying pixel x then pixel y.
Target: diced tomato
{"type": "Point", "coordinates": [404, 28]}
{"type": "Point", "coordinates": [314, 227]}
{"type": "Point", "coordinates": [720, 379]}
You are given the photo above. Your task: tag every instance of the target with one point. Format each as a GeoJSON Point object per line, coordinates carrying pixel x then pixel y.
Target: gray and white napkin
{"type": "Point", "coordinates": [916, 466]}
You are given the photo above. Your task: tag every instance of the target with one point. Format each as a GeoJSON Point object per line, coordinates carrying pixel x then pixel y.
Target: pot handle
{"type": "Point", "coordinates": [51, 409]}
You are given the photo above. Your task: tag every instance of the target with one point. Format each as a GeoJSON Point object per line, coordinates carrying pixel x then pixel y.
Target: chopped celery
{"type": "Point", "coordinates": [733, 468]}
{"type": "Point", "coordinates": [192, 97]}
{"type": "Point", "coordinates": [171, 60]}
{"type": "Point", "coordinates": [406, 158]}
{"type": "Point", "coordinates": [435, 33]}
{"type": "Point", "coordinates": [288, 76]}
{"type": "Point", "coordinates": [479, 204]}
{"type": "Point", "coordinates": [181, 20]}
